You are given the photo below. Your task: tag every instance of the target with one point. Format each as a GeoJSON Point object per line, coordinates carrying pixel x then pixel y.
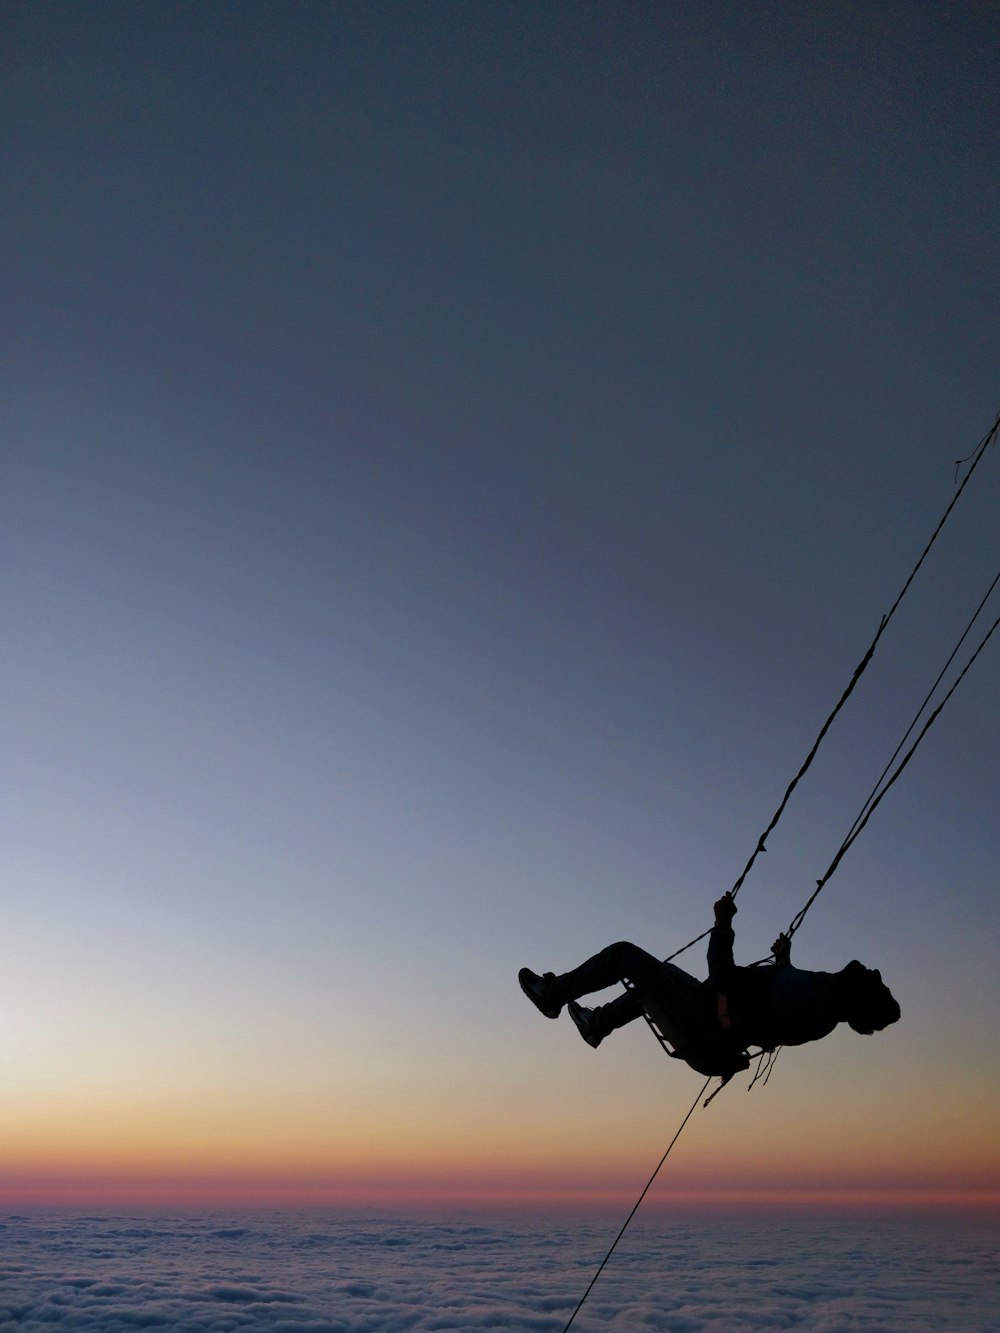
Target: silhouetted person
{"type": "Point", "coordinates": [711, 1023]}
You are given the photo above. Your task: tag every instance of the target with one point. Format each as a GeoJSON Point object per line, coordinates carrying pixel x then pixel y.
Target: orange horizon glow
{"type": "Point", "coordinates": [419, 1144]}
{"type": "Point", "coordinates": [722, 1164]}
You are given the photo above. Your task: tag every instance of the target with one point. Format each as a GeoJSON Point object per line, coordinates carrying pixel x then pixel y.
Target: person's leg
{"type": "Point", "coordinates": [672, 997]}
{"type": "Point", "coordinates": [672, 994]}
{"type": "Point", "coordinates": [624, 1008]}
{"type": "Point", "coordinates": [616, 963]}
{"type": "Point", "coordinates": [595, 1024]}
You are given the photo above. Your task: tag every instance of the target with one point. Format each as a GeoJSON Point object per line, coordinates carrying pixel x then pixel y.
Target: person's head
{"type": "Point", "coordinates": [867, 1002]}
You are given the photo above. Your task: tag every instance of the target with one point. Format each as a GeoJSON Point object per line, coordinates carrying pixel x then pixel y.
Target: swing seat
{"type": "Point", "coordinates": [713, 1058]}
{"type": "Point", "coordinates": [666, 1027]}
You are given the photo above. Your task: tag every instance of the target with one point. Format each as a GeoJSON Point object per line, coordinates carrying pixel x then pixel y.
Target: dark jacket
{"type": "Point", "coordinates": [772, 1005]}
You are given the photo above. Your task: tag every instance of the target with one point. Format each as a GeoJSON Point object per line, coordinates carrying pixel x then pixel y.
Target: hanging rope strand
{"type": "Point", "coordinates": [976, 456]}
{"type": "Point", "coordinates": [927, 699]}
{"type": "Point", "coordinates": [859, 825]}
{"type": "Point", "coordinates": [635, 1207]}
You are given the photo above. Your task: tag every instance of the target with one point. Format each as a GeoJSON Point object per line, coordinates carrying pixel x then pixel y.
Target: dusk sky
{"type": "Point", "coordinates": [454, 456]}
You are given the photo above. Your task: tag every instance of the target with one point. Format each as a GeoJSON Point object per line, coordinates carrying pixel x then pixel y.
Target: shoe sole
{"type": "Point", "coordinates": [573, 1009]}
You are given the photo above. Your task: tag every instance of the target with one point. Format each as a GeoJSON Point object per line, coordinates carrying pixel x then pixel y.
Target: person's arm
{"type": "Point", "coordinates": [722, 938]}
{"type": "Point", "coordinates": [782, 950]}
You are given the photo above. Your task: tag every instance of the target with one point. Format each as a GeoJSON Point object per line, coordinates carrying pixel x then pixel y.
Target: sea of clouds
{"type": "Point", "coordinates": [322, 1272]}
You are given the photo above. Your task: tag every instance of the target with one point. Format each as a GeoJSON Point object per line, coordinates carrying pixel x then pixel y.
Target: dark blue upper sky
{"type": "Point", "coordinates": [462, 450]}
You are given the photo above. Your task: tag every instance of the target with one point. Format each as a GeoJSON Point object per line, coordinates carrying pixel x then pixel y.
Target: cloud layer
{"type": "Point", "coordinates": [324, 1273]}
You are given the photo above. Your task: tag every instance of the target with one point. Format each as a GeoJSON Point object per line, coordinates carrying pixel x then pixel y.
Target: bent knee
{"type": "Point", "coordinates": [626, 953]}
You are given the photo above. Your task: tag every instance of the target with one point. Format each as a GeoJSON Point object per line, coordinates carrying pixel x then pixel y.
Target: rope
{"type": "Point", "coordinates": [863, 819]}
{"type": "Point", "coordinates": [635, 1208]}
{"type": "Point", "coordinates": [973, 460]}
{"type": "Point", "coordinates": [867, 810]}
{"type": "Point", "coordinates": [767, 1058]}
{"type": "Point", "coordinates": [765, 1063]}
{"type": "Point", "coordinates": [927, 699]}
{"type": "Point", "coordinates": [876, 795]}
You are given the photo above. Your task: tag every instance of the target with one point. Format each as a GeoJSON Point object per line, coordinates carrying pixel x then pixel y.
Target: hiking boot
{"type": "Point", "coordinates": [585, 1025]}
{"type": "Point", "coordinates": [540, 990]}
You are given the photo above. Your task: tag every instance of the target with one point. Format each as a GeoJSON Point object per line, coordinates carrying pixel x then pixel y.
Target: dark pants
{"type": "Point", "coordinates": [680, 1004]}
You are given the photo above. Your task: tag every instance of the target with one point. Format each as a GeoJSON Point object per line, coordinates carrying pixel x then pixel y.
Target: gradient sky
{"type": "Point", "coordinates": [454, 456]}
